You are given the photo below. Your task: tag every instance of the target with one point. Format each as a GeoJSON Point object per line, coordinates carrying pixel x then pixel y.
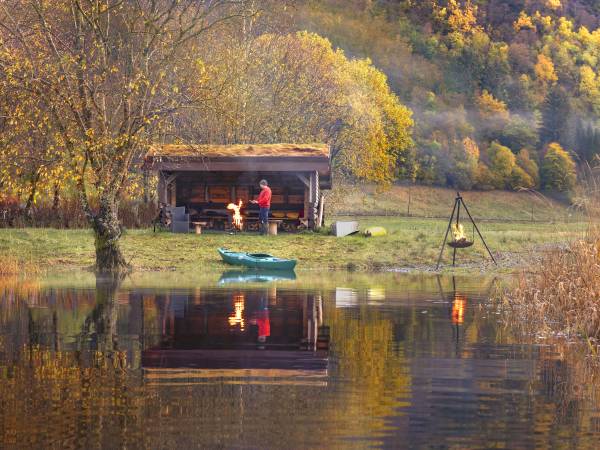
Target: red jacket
{"type": "Point", "coordinates": [264, 198]}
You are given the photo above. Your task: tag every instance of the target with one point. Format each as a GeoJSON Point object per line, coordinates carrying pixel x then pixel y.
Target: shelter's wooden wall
{"type": "Point", "coordinates": [296, 193]}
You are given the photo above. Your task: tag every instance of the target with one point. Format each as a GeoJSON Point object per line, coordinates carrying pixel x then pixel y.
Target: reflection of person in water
{"type": "Point", "coordinates": [261, 319]}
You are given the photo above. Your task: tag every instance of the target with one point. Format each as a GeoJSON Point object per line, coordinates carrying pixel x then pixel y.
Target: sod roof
{"type": "Point", "coordinates": [238, 151]}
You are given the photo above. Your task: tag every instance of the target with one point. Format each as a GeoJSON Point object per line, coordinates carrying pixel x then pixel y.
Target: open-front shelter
{"type": "Point", "coordinates": [206, 178]}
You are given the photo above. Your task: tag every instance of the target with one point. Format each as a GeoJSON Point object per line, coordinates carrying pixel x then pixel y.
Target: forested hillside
{"type": "Point", "coordinates": [468, 94]}
{"type": "Point", "coordinates": [499, 89]}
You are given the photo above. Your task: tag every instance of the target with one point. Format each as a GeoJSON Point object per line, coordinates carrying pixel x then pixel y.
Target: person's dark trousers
{"type": "Point", "coordinates": [263, 218]}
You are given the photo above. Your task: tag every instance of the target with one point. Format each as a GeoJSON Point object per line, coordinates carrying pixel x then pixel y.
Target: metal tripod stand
{"type": "Point", "coordinates": [458, 201]}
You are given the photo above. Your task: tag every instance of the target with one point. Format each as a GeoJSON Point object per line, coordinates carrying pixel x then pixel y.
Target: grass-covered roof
{"type": "Point", "coordinates": [238, 150]}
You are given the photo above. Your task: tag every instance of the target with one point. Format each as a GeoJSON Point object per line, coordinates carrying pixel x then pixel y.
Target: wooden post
{"type": "Point", "coordinates": [162, 188]}
{"type": "Point", "coordinates": [313, 199]}
{"type": "Point", "coordinates": [306, 203]}
{"type": "Point", "coordinates": [321, 208]}
{"type": "Point", "coordinates": [173, 193]}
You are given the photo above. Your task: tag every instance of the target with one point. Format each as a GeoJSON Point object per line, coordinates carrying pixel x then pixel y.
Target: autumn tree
{"type": "Point", "coordinates": [298, 88]}
{"type": "Point", "coordinates": [558, 169]}
{"type": "Point", "coordinates": [106, 74]}
{"type": "Point", "coordinates": [30, 150]}
{"type": "Point", "coordinates": [502, 162]}
{"type": "Point", "coordinates": [525, 161]}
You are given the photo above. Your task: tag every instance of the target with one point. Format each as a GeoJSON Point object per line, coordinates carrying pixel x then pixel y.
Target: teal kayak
{"type": "Point", "coordinates": [256, 260]}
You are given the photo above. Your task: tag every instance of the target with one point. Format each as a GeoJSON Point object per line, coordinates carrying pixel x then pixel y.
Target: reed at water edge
{"type": "Point", "coordinates": [561, 296]}
{"type": "Point", "coordinates": [14, 266]}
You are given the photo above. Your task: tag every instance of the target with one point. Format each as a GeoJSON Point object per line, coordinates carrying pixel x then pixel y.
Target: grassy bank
{"type": "Point", "coordinates": [410, 243]}
{"type": "Point", "coordinates": [427, 201]}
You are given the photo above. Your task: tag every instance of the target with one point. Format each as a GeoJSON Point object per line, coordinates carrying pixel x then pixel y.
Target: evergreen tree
{"type": "Point", "coordinates": [587, 140]}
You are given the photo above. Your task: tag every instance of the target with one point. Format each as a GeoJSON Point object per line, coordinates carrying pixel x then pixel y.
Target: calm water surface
{"type": "Point", "coordinates": [243, 360]}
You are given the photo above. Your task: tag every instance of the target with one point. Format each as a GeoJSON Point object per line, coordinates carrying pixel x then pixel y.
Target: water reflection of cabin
{"type": "Point", "coordinates": [205, 178]}
{"type": "Point", "coordinates": [193, 336]}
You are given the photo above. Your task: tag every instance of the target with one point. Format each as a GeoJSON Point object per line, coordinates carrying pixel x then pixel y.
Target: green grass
{"type": "Point", "coordinates": [410, 243]}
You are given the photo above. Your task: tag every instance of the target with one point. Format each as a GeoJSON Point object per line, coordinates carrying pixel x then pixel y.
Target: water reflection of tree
{"type": "Point", "coordinates": [100, 327]}
{"type": "Point", "coordinates": [51, 393]}
{"type": "Point", "coordinates": [60, 396]}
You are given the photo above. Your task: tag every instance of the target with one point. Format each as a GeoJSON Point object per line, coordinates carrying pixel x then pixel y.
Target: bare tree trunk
{"type": "Point", "coordinates": [107, 232]}
{"type": "Point", "coordinates": [146, 186]}
{"type": "Point", "coordinates": [32, 192]}
{"type": "Point", "coordinates": [56, 199]}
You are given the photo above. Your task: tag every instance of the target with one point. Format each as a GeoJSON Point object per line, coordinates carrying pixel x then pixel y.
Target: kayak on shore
{"type": "Point", "coordinates": [256, 260]}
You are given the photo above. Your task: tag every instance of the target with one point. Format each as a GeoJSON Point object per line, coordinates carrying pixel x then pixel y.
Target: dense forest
{"type": "Point", "coordinates": [505, 94]}
{"type": "Point", "coordinates": [482, 94]}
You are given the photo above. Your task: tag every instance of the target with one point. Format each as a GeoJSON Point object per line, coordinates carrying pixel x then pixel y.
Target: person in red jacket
{"type": "Point", "coordinates": [264, 203]}
{"type": "Point", "coordinates": [261, 319]}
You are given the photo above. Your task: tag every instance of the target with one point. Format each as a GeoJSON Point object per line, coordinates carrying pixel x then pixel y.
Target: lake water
{"type": "Point", "coordinates": [246, 360]}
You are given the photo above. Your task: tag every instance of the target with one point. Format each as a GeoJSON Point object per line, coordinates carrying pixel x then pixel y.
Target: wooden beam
{"type": "Point", "coordinates": [171, 178]}
{"type": "Point", "coordinates": [287, 179]}
{"type": "Point", "coordinates": [304, 180]}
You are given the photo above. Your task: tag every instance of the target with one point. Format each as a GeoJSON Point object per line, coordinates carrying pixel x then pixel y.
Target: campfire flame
{"type": "Point", "coordinates": [458, 309]}
{"type": "Point", "coordinates": [237, 317]}
{"type": "Point", "coordinates": [458, 233]}
{"type": "Point", "coordinates": [238, 221]}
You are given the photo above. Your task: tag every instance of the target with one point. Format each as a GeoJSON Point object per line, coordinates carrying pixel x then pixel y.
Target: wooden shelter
{"type": "Point", "coordinates": [206, 178]}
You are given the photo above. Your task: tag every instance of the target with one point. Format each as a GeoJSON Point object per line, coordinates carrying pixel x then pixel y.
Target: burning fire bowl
{"type": "Point", "coordinates": [463, 243]}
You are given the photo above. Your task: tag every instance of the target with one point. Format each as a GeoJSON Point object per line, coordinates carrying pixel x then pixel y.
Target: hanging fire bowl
{"type": "Point", "coordinates": [462, 243]}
